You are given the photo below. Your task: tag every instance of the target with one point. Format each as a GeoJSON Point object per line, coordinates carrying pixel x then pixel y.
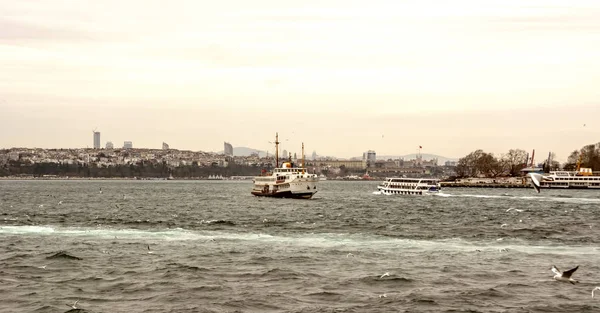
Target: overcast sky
{"type": "Point", "coordinates": [342, 76]}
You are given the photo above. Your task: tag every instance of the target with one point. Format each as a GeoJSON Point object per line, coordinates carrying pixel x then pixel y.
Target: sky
{"type": "Point", "coordinates": [341, 76]}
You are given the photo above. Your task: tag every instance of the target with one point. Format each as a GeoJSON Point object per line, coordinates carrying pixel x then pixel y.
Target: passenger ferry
{"type": "Point", "coordinates": [582, 179]}
{"type": "Point", "coordinates": [287, 181]}
{"type": "Point", "coordinates": [409, 186]}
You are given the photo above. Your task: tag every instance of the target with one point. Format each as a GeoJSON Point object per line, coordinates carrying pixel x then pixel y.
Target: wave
{"type": "Point", "coordinates": [63, 255]}
{"type": "Point", "coordinates": [558, 198]}
{"type": "Point", "coordinates": [343, 242]}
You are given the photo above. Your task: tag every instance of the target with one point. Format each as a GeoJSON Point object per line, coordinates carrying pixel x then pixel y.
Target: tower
{"type": "Point", "coordinates": [96, 139]}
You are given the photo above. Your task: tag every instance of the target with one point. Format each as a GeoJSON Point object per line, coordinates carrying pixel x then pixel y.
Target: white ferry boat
{"type": "Point", "coordinates": [409, 186]}
{"type": "Point", "coordinates": [582, 179]}
{"type": "Point", "coordinates": [287, 181]}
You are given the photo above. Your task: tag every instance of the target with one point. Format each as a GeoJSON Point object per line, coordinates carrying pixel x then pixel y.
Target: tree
{"type": "Point", "coordinates": [514, 161]}
{"type": "Point", "coordinates": [467, 165]}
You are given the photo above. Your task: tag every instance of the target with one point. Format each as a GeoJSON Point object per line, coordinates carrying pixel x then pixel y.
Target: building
{"type": "Point", "coordinates": [314, 155]}
{"type": "Point", "coordinates": [109, 145]}
{"type": "Point", "coordinates": [350, 164]}
{"type": "Point", "coordinates": [450, 163]}
{"type": "Point", "coordinates": [370, 157]}
{"type": "Point", "coordinates": [96, 140]}
{"type": "Point", "coordinates": [227, 149]}
{"type": "Point", "coordinates": [284, 154]}
{"type": "Point", "coordinates": [165, 146]}
{"type": "Point", "coordinates": [127, 145]}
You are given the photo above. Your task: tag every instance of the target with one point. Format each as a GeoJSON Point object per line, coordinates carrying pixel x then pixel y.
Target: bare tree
{"type": "Point", "coordinates": [514, 161]}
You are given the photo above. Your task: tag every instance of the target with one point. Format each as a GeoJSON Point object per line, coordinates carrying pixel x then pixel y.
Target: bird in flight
{"type": "Point", "coordinates": [564, 276]}
{"type": "Point", "coordinates": [74, 306]}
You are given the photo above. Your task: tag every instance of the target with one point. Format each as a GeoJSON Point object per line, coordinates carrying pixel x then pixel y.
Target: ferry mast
{"type": "Point", "coordinates": [303, 158]}
{"type": "Point", "coordinates": [276, 150]}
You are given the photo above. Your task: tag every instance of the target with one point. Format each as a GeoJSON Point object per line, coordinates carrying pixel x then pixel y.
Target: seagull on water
{"type": "Point", "coordinates": [597, 288]}
{"type": "Point", "coordinates": [74, 306]}
{"type": "Point", "coordinates": [43, 267]}
{"type": "Point", "coordinates": [564, 276]}
{"type": "Point", "coordinates": [149, 251]}
{"type": "Point", "coordinates": [384, 275]}
{"type": "Point", "coordinates": [59, 202]}
{"type": "Point", "coordinates": [349, 255]}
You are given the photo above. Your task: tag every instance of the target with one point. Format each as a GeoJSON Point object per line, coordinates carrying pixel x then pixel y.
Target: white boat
{"type": "Point", "coordinates": [322, 177]}
{"type": "Point", "coordinates": [409, 186]}
{"type": "Point", "coordinates": [582, 179]}
{"type": "Point", "coordinates": [287, 181]}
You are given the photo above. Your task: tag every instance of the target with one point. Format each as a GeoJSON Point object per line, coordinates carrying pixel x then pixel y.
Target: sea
{"type": "Point", "coordinates": [210, 246]}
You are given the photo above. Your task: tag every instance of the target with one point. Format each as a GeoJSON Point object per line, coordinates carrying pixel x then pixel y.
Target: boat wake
{"type": "Point", "coordinates": [564, 199]}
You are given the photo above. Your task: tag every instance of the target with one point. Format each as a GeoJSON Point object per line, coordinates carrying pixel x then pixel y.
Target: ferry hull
{"type": "Point", "coordinates": [285, 194]}
{"type": "Point", "coordinates": [413, 192]}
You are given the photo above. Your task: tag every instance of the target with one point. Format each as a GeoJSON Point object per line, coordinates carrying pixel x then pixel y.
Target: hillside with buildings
{"type": "Point", "coordinates": [163, 163]}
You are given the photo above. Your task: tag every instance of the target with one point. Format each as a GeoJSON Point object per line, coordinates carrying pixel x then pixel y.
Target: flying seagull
{"type": "Point", "coordinates": [384, 275]}
{"type": "Point", "coordinates": [564, 276]}
{"type": "Point", "coordinates": [536, 181]}
{"type": "Point", "coordinates": [74, 306]}
{"type": "Point", "coordinates": [597, 288]}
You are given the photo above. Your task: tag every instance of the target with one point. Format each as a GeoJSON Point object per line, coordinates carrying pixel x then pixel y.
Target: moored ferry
{"type": "Point", "coordinates": [582, 179]}
{"type": "Point", "coordinates": [409, 186]}
{"type": "Point", "coordinates": [287, 181]}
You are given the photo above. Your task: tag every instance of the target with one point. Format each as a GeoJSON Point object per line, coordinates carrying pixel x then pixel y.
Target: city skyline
{"type": "Point", "coordinates": [343, 77]}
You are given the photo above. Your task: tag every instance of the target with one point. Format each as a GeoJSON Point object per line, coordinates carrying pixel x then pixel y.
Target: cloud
{"type": "Point", "coordinates": [19, 31]}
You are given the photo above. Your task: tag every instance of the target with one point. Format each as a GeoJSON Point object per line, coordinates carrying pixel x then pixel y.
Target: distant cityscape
{"type": "Point", "coordinates": [25, 161]}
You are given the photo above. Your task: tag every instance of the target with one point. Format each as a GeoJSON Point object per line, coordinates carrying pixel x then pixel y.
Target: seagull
{"type": "Point", "coordinates": [564, 276]}
{"type": "Point", "coordinates": [59, 202]}
{"type": "Point", "coordinates": [43, 267]}
{"type": "Point", "coordinates": [100, 189]}
{"type": "Point", "coordinates": [503, 225]}
{"type": "Point", "coordinates": [149, 252]}
{"type": "Point", "coordinates": [384, 275]}
{"type": "Point", "coordinates": [349, 255]}
{"type": "Point", "coordinates": [74, 306]}
{"type": "Point", "coordinates": [597, 288]}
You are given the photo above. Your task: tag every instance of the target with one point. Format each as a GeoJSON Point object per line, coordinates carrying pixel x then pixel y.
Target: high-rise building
{"type": "Point", "coordinates": [314, 155]}
{"type": "Point", "coordinates": [227, 149]}
{"type": "Point", "coordinates": [165, 146]}
{"type": "Point", "coordinates": [109, 145]}
{"type": "Point", "coordinates": [127, 145]}
{"type": "Point", "coordinates": [96, 140]}
{"type": "Point", "coordinates": [370, 157]}
{"type": "Point", "coordinates": [285, 154]}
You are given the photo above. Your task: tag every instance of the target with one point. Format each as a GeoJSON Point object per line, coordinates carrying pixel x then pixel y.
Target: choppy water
{"type": "Point", "coordinates": [216, 248]}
